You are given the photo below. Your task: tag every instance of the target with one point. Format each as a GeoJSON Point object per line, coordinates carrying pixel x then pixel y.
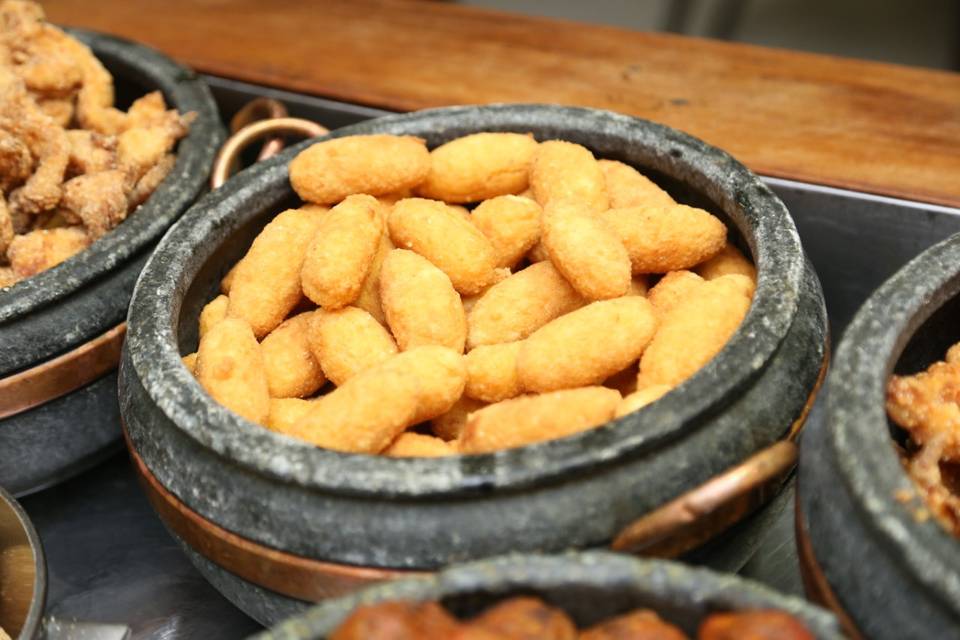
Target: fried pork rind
{"type": "Point", "coordinates": [37, 251]}
{"type": "Point", "coordinates": [479, 166]}
{"type": "Point", "coordinates": [567, 173]}
{"type": "Point", "coordinates": [6, 226]}
{"type": "Point", "coordinates": [8, 277]}
{"type": "Point", "coordinates": [529, 419]}
{"type": "Point", "coordinates": [927, 405]}
{"type": "Point", "coordinates": [418, 445]}
{"type": "Point", "coordinates": [91, 152]}
{"type": "Point", "coordinates": [643, 625]}
{"type": "Point", "coordinates": [149, 182]}
{"type": "Point", "coordinates": [230, 367]}
{"type": "Point", "coordinates": [526, 618]}
{"type": "Point", "coordinates": [96, 200]}
{"type": "Point", "coordinates": [586, 346]}
{"type": "Point", "coordinates": [16, 162]}
{"type": "Point", "coordinates": [753, 625]}
{"type": "Point", "coordinates": [627, 187]}
{"type": "Point", "coordinates": [329, 171]}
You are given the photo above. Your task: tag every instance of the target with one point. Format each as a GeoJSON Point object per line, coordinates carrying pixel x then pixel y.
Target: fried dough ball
{"type": "Point", "coordinates": [526, 618]}
{"type": "Point", "coordinates": [586, 346]}
{"type": "Point", "coordinates": [341, 253]}
{"type": "Point", "coordinates": [529, 419]}
{"type": "Point", "coordinates": [513, 309]}
{"type": "Point", "coordinates": [266, 283]}
{"type": "Point", "coordinates": [37, 251]}
{"type": "Point", "coordinates": [753, 625]}
{"type": "Point", "coordinates": [627, 187]}
{"type": "Point", "coordinates": [448, 426]}
{"type": "Point", "coordinates": [639, 399]}
{"type": "Point", "coordinates": [348, 341]}
{"type": "Point", "coordinates": [287, 412]}
{"type": "Point", "coordinates": [660, 239]}
{"type": "Point", "coordinates": [589, 255]}
{"type": "Point", "coordinates": [329, 171]}
{"type": "Point", "coordinates": [420, 303]}
{"type": "Point", "coordinates": [672, 288]}
{"type": "Point", "coordinates": [729, 260]}
{"type": "Point", "coordinates": [230, 367]}
{"type": "Point", "coordinates": [638, 286]}
{"type": "Point", "coordinates": [492, 372]}
{"type": "Point", "coordinates": [190, 362]}
{"type": "Point", "coordinates": [369, 298]}
{"type": "Point", "coordinates": [292, 370]}
{"type": "Point", "coordinates": [441, 375]}
{"type": "Point", "coordinates": [512, 224]}
{"type": "Point", "coordinates": [417, 445]}
{"type": "Point", "coordinates": [448, 240]}
{"type": "Point", "coordinates": [567, 173]}
{"type": "Point", "coordinates": [479, 166]}
{"type": "Point", "coordinates": [213, 313]}
{"type": "Point", "coordinates": [636, 625]}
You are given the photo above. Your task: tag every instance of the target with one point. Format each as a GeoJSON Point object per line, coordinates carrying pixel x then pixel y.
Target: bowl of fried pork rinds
{"type": "Point", "coordinates": [103, 144]}
{"type": "Point", "coordinates": [441, 336]}
{"type": "Point", "coordinates": [590, 596]}
{"type": "Point", "coordinates": [878, 491]}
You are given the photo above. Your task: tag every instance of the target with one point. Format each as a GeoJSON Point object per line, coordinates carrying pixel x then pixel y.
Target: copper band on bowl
{"type": "Point", "coordinates": [61, 375]}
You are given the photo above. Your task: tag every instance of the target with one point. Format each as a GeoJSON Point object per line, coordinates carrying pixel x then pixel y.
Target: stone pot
{"type": "Point", "coordinates": [266, 507]}
{"type": "Point", "coordinates": [590, 587]}
{"type": "Point", "coordinates": [865, 547]}
{"type": "Point", "coordinates": [62, 328]}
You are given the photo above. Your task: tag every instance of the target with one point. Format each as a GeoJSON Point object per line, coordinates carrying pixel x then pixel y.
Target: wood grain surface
{"type": "Point", "coordinates": [868, 126]}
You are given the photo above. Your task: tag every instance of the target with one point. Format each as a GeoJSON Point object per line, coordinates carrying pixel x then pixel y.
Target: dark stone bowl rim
{"type": "Point", "coordinates": [188, 178]}
{"type": "Point", "coordinates": [856, 419]}
{"type": "Point", "coordinates": [155, 309]}
{"type": "Point", "coordinates": [593, 568]}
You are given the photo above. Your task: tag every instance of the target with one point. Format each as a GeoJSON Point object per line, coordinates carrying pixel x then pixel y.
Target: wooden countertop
{"type": "Point", "coordinates": [867, 126]}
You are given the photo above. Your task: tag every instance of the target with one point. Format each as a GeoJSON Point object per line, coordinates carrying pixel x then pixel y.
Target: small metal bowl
{"type": "Point", "coordinates": [866, 550]}
{"type": "Point", "coordinates": [590, 587]}
{"type": "Point", "coordinates": [62, 328]}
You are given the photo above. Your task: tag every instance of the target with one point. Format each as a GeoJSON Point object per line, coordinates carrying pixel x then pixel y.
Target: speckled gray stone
{"type": "Point", "coordinates": [87, 295]}
{"type": "Point", "coordinates": [418, 513]}
{"type": "Point", "coordinates": [896, 576]}
{"type": "Point", "coordinates": [590, 587]}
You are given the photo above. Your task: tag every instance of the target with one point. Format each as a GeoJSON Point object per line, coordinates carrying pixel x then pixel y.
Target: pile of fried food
{"type": "Point", "coordinates": [447, 330]}
{"type": "Point", "coordinates": [927, 406]}
{"type": "Point", "coordinates": [71, 165]}
{"type": "Point", "coordinates": [526, 618]}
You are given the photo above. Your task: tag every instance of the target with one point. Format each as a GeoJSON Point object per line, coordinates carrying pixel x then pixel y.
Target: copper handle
{"type": "Point", "coordinates": [235, 144]}
{"type": "Point", "coordinates": [262, 108]}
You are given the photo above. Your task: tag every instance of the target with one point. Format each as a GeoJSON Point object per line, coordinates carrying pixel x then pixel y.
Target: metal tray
{"type": "Point", "coordinates": [111, 560]}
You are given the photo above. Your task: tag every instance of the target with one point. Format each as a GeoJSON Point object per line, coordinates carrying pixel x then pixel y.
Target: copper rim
{"type": "Point", "coordinates": [282, 572]}
{"type": "Point", "coordinates": [261, 108]}
{"type": "Point", "coordinates": [698, 515]}
{"type": "Point", "coordinates": [61, 375]}
{"type": "Point", "coordinates": [815, 581]}
{"type": "Point", "coordinates": [229, 154]}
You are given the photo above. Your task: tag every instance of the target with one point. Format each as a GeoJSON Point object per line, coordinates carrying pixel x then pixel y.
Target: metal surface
{"type": "Point", "coordinates": [111, 559]}
{"type": "Point", "coordinates": [229, 156]}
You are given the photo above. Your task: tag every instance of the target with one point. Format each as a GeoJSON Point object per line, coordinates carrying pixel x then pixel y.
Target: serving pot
{"type": "Point", "coordinates": [590, 587]}
{"type": "Point", "coordinates": [286, 522]}
{"type": "Point", "coordinates": [866, 547]}
{"type": "Point", "coordinates": [62, 329]}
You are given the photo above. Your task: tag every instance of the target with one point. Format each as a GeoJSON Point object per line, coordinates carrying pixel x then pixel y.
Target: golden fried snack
{"type": "Point", "coordinates": [449, 425]}
{"type": "Point", "coordinates": [526, 618]}
{"type": "Point", "coordinates": [230, 367]}
{"type": "Point", "coordinates": [36, 251]}
{"type": "Point", "coordinates": [567, 173]}
{"type": "Point", "coordinates": [512, 224]}
{"type": "Point", "coordinates": [529, 419]}
{"type": "Point", "coordinates": [441, 374]}
{"type": "Point", "coordinates": [287, 412]}
{"type": "Point", "coordinates": [91, 152]}
{"type": "Point", "coordinates": [369, 298]}
{"type": "Point", "coordinates": [636, 625]}
{"type": "Point", "coordinates": [348, 341]}
{"type": "Point", "coordinates": [15, 161]}
{"type": "Point", "coordinates": [265, 284]}
{"type": "Point", "coordinates": [420, 303]}
{"type": "Point", "coordinates": [292, 370]}
{"type": "Point", "coordinates": [538, 253]}
{"type": "Point", "coordinates": [728, 260]}
{"type": "Point", "coordinates": [364, 415]}
{"type": "Point", "coordinates": [329, 171]}
{"type": "Point", "coordinates": [139, 148]}
{"type": "Point", "coordinates": [492, 372]}
{"type": "Point", "coordinates": [441, 235]}
{"type": "Point", "coordinates": [397, 621]}
{"type": "Point", "coordinates": [190, 362]}
{"type": "Point", "coordinates": [925, 404]}
{"type": "Point", "coordinates": [672, 288]}
{"type": "Point", "coordinates": [638, 286]}
{"type": "Point", "coordinates": [586, 346]}
{"type": "Point", "coordinates": [98, 201]}
{"type": "Point", "coordinates": [521, 304]}
{"type": "Point", "coordinates": [213, 313]}
{"type": "Point", "coordinates": [150, 180]}
{"type": "Point", "coordinates": [6, 225]}
{"type": "Point", "coordinates": [641, 398]}
{"type": "Point", "coordinates": [625, 380]}
{"type": "Point", "coordinates": [8, 277]}
{"type": "Point", "coordinates": [589, 255]}
{"type": "Point", "coordinates": [660, 239]}
{"type": "Point", "coordinates": [693, 332]}
{"type": "Point", "coordinates": [417, 445]}
{"type": "Point", "coordinates": [753, 625]}
{"type": "Point", "coordinates": [627, 187]}
{"type": "Point", "coordinates": [227, 280]}
{"type": "Point", "coordinates": [499, 275]}
{"type": "Point", "coordinates": [479, 166]}
{"type": "Point", "coordinates": [341, 253]}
